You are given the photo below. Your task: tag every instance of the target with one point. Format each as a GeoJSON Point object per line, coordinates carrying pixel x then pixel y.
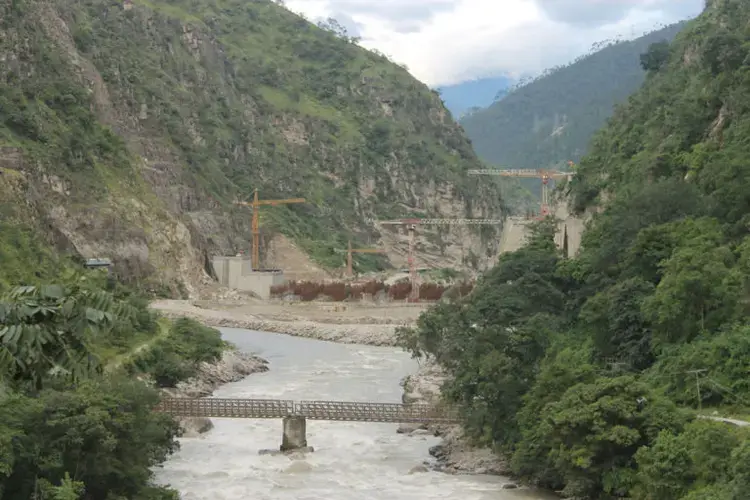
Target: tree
{"type": "Point", "coordinates": [656, 56]}
{"type": "Point", "coordinates": [678, 463]}
{"type": "Point", "coordinates": [47, 331]}
{"type": "Point", "coordinates": [102, 433]}
{"type": "Point", "coordinates": [595, 429]}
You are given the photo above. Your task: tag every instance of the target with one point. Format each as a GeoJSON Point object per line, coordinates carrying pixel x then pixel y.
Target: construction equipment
{"type": "Point", "coordinates": [545, 175]}
{"type": "Point", "coordinates": [350, 251]}
{"type": "Point", "coordinates": [411, 226]}
{"type": "Point", "coordinates": [255, 205]}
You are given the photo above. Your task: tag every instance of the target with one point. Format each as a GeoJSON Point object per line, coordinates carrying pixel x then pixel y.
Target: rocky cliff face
{"type": "Point", "coordinates": [127, 129]}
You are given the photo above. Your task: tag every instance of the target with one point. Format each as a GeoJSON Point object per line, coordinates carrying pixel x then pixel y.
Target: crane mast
{"type": "Point", "coordinates": [544, 175]}
{"type": "Point", "coordinates": [255, 225]}
{"type": "Point", "coordinates": [411, 226]}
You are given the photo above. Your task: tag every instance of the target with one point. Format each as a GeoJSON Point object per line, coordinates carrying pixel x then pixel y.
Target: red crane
{"type": "Point", "coordinates": [544, 175]}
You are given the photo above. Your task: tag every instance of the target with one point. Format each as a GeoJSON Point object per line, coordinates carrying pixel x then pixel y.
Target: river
{"type": "Point", "coordinates": [352, 460]}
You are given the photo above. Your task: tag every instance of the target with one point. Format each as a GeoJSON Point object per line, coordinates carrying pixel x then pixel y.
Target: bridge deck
{"type": "Point", "coordinates": [313, 410]}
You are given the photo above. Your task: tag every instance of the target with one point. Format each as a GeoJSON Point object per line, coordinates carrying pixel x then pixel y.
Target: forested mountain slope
{"type": "Point", "coordinates": [551, 119]}
{"type": "Point", "coordinates": [127, 129]}
{"type": "Point", "coordinates": [588, 372]}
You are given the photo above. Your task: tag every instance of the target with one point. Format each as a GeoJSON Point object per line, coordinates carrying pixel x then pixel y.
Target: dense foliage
{"type": "Point", "coordinates": [551, 120]}
{"type": "Point", "coordinates": [588, 372]}
{"type": "Point", "coordinates": [178, 354]}
{"type": "Point", "coordinates": [73, 424]}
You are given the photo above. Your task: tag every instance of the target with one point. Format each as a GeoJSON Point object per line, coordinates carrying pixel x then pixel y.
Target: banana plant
{"type": "Point", "coordinates": [48, 331]}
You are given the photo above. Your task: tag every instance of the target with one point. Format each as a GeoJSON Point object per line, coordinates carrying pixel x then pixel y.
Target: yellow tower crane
{"type": "Point", "coordinates": [350, 251]}
{"type": "Point", "coordinates": [255, 205]}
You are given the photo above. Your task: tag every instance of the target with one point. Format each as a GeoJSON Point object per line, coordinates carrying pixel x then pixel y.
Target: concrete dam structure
{"type": "Point", "coordinates": [238, 273]}
{"type": "Point", "coordinates": [516, 231]}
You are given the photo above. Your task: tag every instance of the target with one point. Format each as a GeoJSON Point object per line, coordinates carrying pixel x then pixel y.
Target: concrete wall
{"type": "Point", "coordinates": [515, 231]}
{"type": "Point", "coordinates": [237, 273]}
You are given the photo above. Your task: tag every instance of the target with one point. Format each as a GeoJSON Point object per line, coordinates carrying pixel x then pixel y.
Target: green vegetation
{"type": "Point", "coordinates": [68, 428]}
{"type": "Point", "coordinates": [583, 371]}
{"type": "Point", "coordinates": [208, 101]}
{"type": "Point", "coordinates": [551, 119]}
{"type": "Point", "coordinates": [177, 355]}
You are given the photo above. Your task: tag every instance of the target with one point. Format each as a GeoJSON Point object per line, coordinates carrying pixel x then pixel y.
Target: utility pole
{"type": "Point", "coordinates": [698, 385]}
{"type": "Point", "coordinates": [255, 205]}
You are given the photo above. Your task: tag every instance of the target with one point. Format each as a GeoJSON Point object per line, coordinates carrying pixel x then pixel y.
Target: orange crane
{"type": "Point", "coordinates": [411, 226]}
{"type": "Point", "coordinates": [545, 175]}
{"type": "Point", "coordinates": [350, 251]}
{"type": "Point", "coordinates": [256, 204]}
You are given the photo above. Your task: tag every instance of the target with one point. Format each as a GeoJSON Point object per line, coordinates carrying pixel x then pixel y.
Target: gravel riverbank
{"type": "Point", "coordinates": [356, 333]}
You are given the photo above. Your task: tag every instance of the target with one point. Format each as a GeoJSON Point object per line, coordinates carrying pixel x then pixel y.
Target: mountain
{"type": "Point", "coordinates": [551, 119]}
{"type": "Point", "coordinates": [622, 347]}
{"type": "Point", "coordinates": [480, 93]}
{"type": "Point", "coordinates": [129, 128]}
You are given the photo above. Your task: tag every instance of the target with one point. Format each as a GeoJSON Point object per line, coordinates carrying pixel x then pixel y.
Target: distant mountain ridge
{"type": "Point", "coordinates": [462, 97]}
{"type": "Point", "coordinates": [552, 119]}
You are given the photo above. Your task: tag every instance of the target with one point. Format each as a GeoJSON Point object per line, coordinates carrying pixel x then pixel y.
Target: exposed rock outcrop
{"type": "Point", "coordinates": [455, 455]}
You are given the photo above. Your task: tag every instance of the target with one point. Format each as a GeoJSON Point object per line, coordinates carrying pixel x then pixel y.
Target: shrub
{"type": "Point", "coordinates": [465, 288]}
{"type": "Point", "coordinates": [281, 290]}
{"type": "Point", "coordinates": [306, 290]}
{"type": "Point", "coordinates": [337, 291]}
{"type": "Point", "coordinates": [177, 356]}
{"type": "Point", "coordinates": [400, 290]}
{"type": "Point", "coordinates": [356, 292]}
{"type": "Point", "coordinates": [431, 291]}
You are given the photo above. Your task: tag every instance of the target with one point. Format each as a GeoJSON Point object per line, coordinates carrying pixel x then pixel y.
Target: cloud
{"type": "Point", "coordinates": [590, 13]}
{"type": "Point", "coordinates": [448, 41]}
{"type": "Point", "coordinates": [353, 28]}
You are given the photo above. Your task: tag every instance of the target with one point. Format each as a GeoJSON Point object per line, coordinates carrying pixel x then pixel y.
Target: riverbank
{"type": "Point", "coordinates": [315, 321]}
{"type": "Point", "coordinates": [233, 366]}
{"type": "Point", "coordinates": [347, 324]}
{"type": "Point", "coordinates": [454, 455]}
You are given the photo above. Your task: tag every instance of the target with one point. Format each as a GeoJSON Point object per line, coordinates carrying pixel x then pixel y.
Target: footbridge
{"type": "Point", "coordinates": [294, 414]}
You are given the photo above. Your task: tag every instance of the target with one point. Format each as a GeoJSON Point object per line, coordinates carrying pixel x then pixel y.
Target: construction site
{"type": "Point", "coordinates": [288, 293]}
{"type": "Point", "coordinates": [261, 278]}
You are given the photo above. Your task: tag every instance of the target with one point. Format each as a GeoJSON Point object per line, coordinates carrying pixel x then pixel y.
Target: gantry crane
{"type": "Point", "coordinates": [545, 175]}
{"type": "Point", "coordinates": [411, 226]}
{"type": "Point", "coordinates": [349, 251]}
{"type": "Point", "coordinates": [255, 205]}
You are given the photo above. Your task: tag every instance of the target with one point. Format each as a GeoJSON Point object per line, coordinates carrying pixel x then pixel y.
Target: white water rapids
{"type": "Point", "coordinates": [352, 460]}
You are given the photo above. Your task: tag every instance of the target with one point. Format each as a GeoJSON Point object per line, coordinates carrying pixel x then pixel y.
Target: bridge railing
{"type": "Point", "coordinates": [374, 412]}
{"type": "Point", "coordinates": [227, 407]}
{"type": "Point", "coordinates": [314, 410]}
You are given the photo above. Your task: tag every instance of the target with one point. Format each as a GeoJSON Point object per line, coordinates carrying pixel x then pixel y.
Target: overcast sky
{"type": "Point", "coordinates": [449, 41]}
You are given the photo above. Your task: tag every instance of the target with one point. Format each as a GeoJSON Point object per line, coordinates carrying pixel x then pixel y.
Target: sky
{"type": "Point", "coordinates": [444, 42]}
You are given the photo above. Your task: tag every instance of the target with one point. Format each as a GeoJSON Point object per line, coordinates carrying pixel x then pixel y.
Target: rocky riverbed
{"type": "Point", "coordinates": [232, 367]}
{"type": "Point", "coordinates": [454, 455]}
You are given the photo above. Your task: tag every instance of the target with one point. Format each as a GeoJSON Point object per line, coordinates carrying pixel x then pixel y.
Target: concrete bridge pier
{"type": "Point", "coordinates": [293, 437]}
{"type": "Point", "coordinates": [294, 434]}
